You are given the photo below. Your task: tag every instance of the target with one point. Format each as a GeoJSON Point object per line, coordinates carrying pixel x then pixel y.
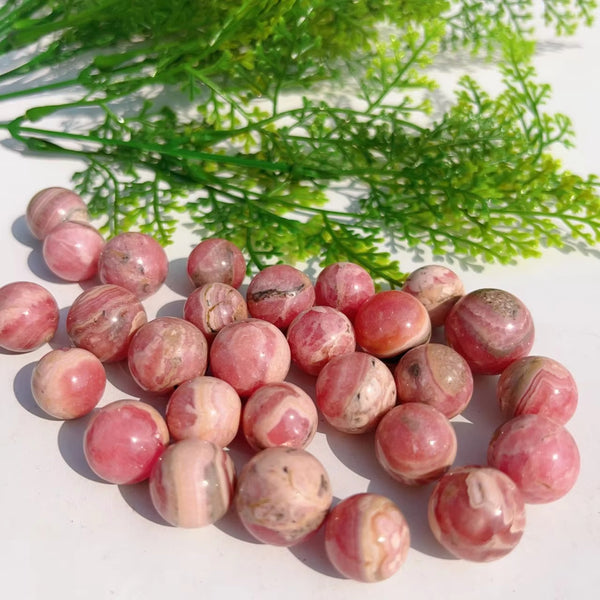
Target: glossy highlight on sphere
{"type": "Point", "coordinates": [191, 484]}
{"type": "Point", "coordinates": [354, 390]}
{"type": "Point", "coordinates": [537, 385]}
{"type": "Point", "coordinates": [135, 261]}
{"type": "Point", "coordinates": [491, 328]}
{"type": "Point", "coordinates": [390, 323]}
{"type": "Point", "coordinates": [28, 316]}
{"type": "Point", "coordinates": [283, 495]}
{"type": "Point", "coordinates": [539, 455]}
{"type": "Point", "coordinates": [216, 260]}
{"type": "Point", "coordinates": [103, 320]}
{"type": "Point", "coordinates": [477, 513]}
{"type": "Point", "coordinates": [68, 383]}
{"type": "Point", "coordinates": [123, 440]}
{"type": "Point", "coordinates": [165, 352]}
{"type": "Point", "coordinates": [366, 537]}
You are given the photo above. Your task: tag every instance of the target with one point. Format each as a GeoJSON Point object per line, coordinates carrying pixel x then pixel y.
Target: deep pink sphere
{"type": "Point", "coordinates": [366, 537]}
{"type": "Point", "coordinates": [123, 440]}
{"type": "Point", "coordinates": [28, 316]}
{"type": "Point", "coordinates": [135, 261]}
{"type": "Point", "coordinates": [491, 328]}
{"type": "Point", "coordinates": [216, 260]}
{"type": "Point", "coordinates": [477, 513]}
{"type": "Point", "coordinates": [538, 454]}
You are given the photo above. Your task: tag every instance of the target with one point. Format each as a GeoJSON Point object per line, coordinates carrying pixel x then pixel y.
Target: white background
{"type": "Point", "coordinates": [64, 534]}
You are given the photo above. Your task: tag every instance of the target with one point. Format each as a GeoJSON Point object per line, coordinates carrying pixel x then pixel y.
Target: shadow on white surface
{"type": "Point", "coordinates": [171, 309]}
{"type": "Point", "coordinates": [23, 394]}
{"type": "Point", "coordinates": [138, 498]}
{"type": "Point", "coordinates": [177, 277]}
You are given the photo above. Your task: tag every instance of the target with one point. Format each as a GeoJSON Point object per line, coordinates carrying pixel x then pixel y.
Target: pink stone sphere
{"type": "Point", "coordinates": [537, 385]}
{"type": "Point", "coordinates": [249, 354]}
{"type": "Point", "coordinates": [52, 206]}
{"type": "Point", "coordinates": [135, 261]}
{"type": "Point", "coordinates": [283, 495]}
{"type": "Point", "coordinates": [165, 352]}
{"type": "Point", "coordinates": [103, 319]}
{"type": "Point", "coordinates": [279, 414]}
{"type": "Point", "coordinates": [354, 390]}
{"type": "Point", "coordinates": [391, 322]}
{"type": "Point", "coordinates": [438, 288]}
{"type": "Point", "coordinates": [28, 316]}
{"type": "Point", "coordinates": [212, 306]}
{"type": "Point", "coordinates": [539, 455]}
{"type": "Point", "coordinates": [317, 335]}
{"type": "Point", "coordinates": [68, 383]}
{"type": "Point", "coordinates": [490, 328]}
{"type": "Point", "coordinates": [123, 440]}
{"type": "Point", "coordinates": [204, 408]}
{"type": "Point", "coordinates": [477, 513]}
{"type": "Point", "coordinates": [216, 260]}
{"type": "Point", "coordinates": [436, 375]}
{"type": "Point", "coordinates": [71, 250]}
{"type": "Point", "coordinates": [192, 483]}
{"type": "Point", "coordinates": [343, 286]}
{"type": "Point", "coordinates": [415, 443]}
{"type": "Point", "coordinates": [366, 537]}
{"type": "Point", "coordinates": [278, 294]}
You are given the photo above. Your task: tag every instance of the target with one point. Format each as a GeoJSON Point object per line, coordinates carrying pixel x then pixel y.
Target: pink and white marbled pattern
{"type": "Point", "coordinates": [191, 484]}
{"type": "Point", "coordinates": [216, 260]}
{"type": "Point", "coordinates": [28, 316]}
{"type": "Point", "coordinates": [366, 537]}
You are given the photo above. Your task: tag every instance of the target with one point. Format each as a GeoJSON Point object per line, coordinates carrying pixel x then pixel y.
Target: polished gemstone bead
{"type": "Point", "coordinates": [216, 260]}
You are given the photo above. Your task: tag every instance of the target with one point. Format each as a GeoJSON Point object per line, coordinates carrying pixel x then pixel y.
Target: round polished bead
{"type": "Point", "coordinates": [216, 260]}
{"type": "Point", "coordinates": [68, 383]}
{"type": "Point", "coordinates": [366, 537]}
{"type": "Point", "coordinates": [283, 495]}
{"type": "Point", "coordinates": [135, 261]}
{"type": "Point", "coordinates": [539, 455]}
{"type": "Point", "coordinates": [491, 328]}
{"type": "Point", "coordinates": [103, 319]}
{"type": "Point", "coordinates": [191, 484]}
{"type": "Point", "coordinates": [477, 513]}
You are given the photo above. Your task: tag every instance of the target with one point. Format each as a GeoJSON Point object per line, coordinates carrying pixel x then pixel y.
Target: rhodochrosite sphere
{"type": "Point", "coordinates": [477, 513]}
{"type": "Point", "coordinates": [283, 495]}
{"type": "Point", "coordinates": [123, 440]}
{"type": "Point", "coordinates": [491, 328]}
{"type": "Point", "coordinates": [191, 484]}
{"type": "Point", "coordinates": [216, 260]}
{"type": "Point", "coordinates": [28, 316]}
{"type": "Point", "coordinates": [366, 537]}
{"type": "Point", "coordinates": [68, 383]}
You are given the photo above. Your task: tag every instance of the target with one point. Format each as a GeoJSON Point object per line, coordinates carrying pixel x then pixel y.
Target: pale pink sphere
{"type": "Point", "coordinates": [391, 322]}
{"type": "Point", "coordinates": [165, 352]}
{"type": "Point", "coordinates": [278, 294]}
{"type": "Point", "coordinates": [353, 392]}
{"type": "Point", "coordinates": [249, 354]}
{"type": "Point", "coordinates": [28, 316]}
{"type": "Point", "coordinates": [438, 288]}
{"type": "Point", "coordinates": [192, 483]}
{"type": "Point", "coordinates": [52, 206]}
{"type": "Point", "coordinates": [123, 440]}
{"type": "Point", "coordinates": [68, 383]}
{"type": "Point", "coordinates": [366, 537]}
{"type": "Point", "coordinates": [537, 385]}
{"type": "Point", "coordinates": [283, 495]}
{"type": "Point", "coordinates": [477, 513]}
{"type": "Point", "coordinates": [71, 250]}
{"type": "Point", "coordinates": [436, 375]}
{"type": "Point", "coordinates": [214, 305]}
{"type": "Point", "coordinates": [205, 408]}
{"type": "Point", "coordinates": [216, 260]}
{"type": "Point", "coordinates": [491, 328]}
{"type": "Point", "coordinates": [344, 286]}
{"type": "Point", "coordinates": [317, 335]}
{"type": "Point", "coordinates": [135, 261]}
{"type": "Point", "coordinates": [279, 414]}
{"type": "Point", "coordinates": [103, 320]}
{"type": "Point", "coordinates": [415, 443]}
{"type": "Point", "coordinates": [538, 454]}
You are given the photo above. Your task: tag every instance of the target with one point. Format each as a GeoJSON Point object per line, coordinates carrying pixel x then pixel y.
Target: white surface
{"type": "Point", "coordinates": [63, 534]}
